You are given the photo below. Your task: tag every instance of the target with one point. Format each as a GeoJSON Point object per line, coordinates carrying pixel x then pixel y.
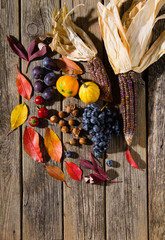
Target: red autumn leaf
{"type": "Point", "coordinates": [31, 144]}
{"type": "Point", "coordinates": [74, 171]}
{"type": "Point", "coordinates": [53, 144]}
{"type": "Point", "coordinates": [95, 165]}
{"type": "Point", "coordinates": [130, 160]}
{"type": "Point", "coordinates": [38, 54]}
{"type": "Point", "coordinates": [17, 47]}
{"type": "Point", "coordinates": [23, 86]}
{"type": "Point", "coordinates": [97, 168]}
{"type": "Point", "coordinates": [86, 164]}
{"type": "Point", "coordinates": [55, 172]}
{"type": "Point", "coordinates": [31, 46]}
{"type": "Point", "coordinates": [68, 66]}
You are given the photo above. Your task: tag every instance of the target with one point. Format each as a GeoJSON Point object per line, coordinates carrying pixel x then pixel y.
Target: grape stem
{"type": "Point", "coordinates": [104, 107]}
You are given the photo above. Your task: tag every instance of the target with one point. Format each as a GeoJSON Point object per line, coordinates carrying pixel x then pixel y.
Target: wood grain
{"type": "Point", "coordinates": [10, 160]}
{"type": "Point", "coordinates": [84, 208]}
{"type": "Point", "coordinates": [126, 200]}
{"type": "Point", "coordinates": [42, 195]}
{"type": "Point", "coordinates": [156, 145]}
{"type": "Point", "coordinates": [35, 206]}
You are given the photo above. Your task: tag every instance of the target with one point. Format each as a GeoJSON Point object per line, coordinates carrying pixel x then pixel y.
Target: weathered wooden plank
{"type": "Point", "coordinates": [156, 146]}
{"type": "Point", "coordinates": [42, 195]}
{"type": "Point", "coordinates": [84, 208]}
{"type": "Point", "coordinates": [126, 200]}
{"type": "Point", "coordinates": [10, 159]}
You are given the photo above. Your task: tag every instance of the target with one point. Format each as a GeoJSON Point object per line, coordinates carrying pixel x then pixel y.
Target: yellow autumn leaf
{"type": "Point", "coordinates": [19, 115]}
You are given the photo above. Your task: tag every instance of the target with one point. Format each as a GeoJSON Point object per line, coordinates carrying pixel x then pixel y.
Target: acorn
{"type": "Point", "coordinates": [71, 122]}
{"type": "Point", "coordinates": [61, 114]}
{"type": "Point", "coordinates": [62, 123]}
{"type": "Point", "coordinates": [82, 141]}
{"type": "Point", "coordinates": [54, 119]}
{"type": "Point", "coordinates": [65, 129]}
{"type": "Point", "coordinates": [72, 141]}
{"type": "Point", "coordinates": [76, 131]}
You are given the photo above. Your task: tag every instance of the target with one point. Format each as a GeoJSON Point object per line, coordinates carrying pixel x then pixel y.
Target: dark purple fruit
{"type": "Point", "coordinates": [37, 72]}
{"type": "Point", "coordinates": [50, 79]}
{"type": "Point", "coordinates": [48, 93]}
{"type": "Point", "coordinates": [50, 64]}
{"type": "Point", "coordinates": [39, 86]}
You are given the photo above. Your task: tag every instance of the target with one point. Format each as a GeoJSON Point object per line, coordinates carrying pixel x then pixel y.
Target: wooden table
{"type": "Point", "coordinates": [34, 206]}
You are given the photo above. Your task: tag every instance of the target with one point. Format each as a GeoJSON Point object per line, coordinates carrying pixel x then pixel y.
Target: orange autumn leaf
{"type": "Point", "coordinates": [55, 172]}
{"type": "Point", "coordinates": [23, 86]}
{"type": "Point", "coordinates": [53, 145]}
{"type": "Point", "coordinates": [68, 66]}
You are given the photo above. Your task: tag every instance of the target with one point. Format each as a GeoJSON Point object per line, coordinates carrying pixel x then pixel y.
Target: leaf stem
{"type": "Point", "coordinates": [66, 184]}
{"type": "Point", "coordinates": [27, 66]}
{"type": "Point", "coordinates": [83, 83]}
{"type": "Point", "coordinates": [9, 133]}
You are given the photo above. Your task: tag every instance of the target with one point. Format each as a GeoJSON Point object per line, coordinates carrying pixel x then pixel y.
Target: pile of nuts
{"type": "Point", "coordinates": [69, 126]}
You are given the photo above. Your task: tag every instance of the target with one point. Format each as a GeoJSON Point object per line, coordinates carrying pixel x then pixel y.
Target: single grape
{"type": "Point", "coordinates": [109, 163]}
{"type": "Point", "coordinates": [102, 144]}
{"type": "Point", "coordinates": [89, 113]}
{"type": "Point", "coordinates": [91, 132]}
{"type": "Point", "coordinates": [50, 64]}
{"type": "Point", "coordinates": [50, 79]}
{"type": "Point", "coordinates": [85, 127]}
{"type": "Point", "coordinates": [39, 86]}
{"type": "Point", "coordinates": [97, 154]}
{"type": "Point", "coordinates": [37, 72]}
{"type": "Point", "coordinates": [48, 93]}
{"type": "Point", "coordinates": [96, 128]}
{"type": "Point", "coordinates": [93, 120]}
{"type": "Point", "coordinates": [68, 154]}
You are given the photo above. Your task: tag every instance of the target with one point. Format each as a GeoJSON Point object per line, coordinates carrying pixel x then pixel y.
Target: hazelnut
{"type": "Point", "coordinates": [62, 123]}
{"type": "Point", "coordinates": [68, 109]}
{"type": "Point", "coordinates": [65, 129]}
{"type": "Point", "coordinates": [61, 114]}
{"type": "Point", "coordinates": [82, 141]}
{"type": "Point", "coordinates": [76, 131]}
{"type": "Point", "coordinates": [71, 122]}
{"type": "Point", "coordinates": [75, 113]}
{"type": "Point", "coordinates": [72, 141]}
{"type": "Point", "coordinates": [54, 119]}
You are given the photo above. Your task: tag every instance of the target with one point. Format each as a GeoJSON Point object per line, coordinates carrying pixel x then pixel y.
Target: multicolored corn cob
{"type": "Point", "coordinates": [128, 92]}
{"type": "Point", "coordinates": [100, 76]}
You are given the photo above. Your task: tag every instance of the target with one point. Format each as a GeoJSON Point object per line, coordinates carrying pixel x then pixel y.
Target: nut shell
{"type": "Point", "coordinates": [61, 114]}
{"type": "Point", "coordinates": [72, 141]}
{"type": "Point", "coordinates": [69, 109]}
{"type": "Point", "coordinates": [65, 129]}
{"type": "Point", "coordinates": [54, 119]}
{"type": "Point", "coordinates": [82, 141]}
{"type": "Point", "coordinates": [62, 123]}
{"type": "Point", "coordinates": [75, 113]}
{"type": "Point", "coordinates": [76, 131]}
{"type": "Point", "coordinates": [71, 122]}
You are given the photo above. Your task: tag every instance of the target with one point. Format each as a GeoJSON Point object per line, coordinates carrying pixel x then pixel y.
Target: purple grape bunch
{"type": "Point", "coordinates": [46, 78]}
{"type": "Point", "coordinates": [101, 125]}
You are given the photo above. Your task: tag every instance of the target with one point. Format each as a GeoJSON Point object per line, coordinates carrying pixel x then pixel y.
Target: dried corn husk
{"type": "Point", "coordinates": [68, 39]}
{"type": "Point", "coordinates": [127, 41]}
{"type": "Point", "coordinates": [127, 44]}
